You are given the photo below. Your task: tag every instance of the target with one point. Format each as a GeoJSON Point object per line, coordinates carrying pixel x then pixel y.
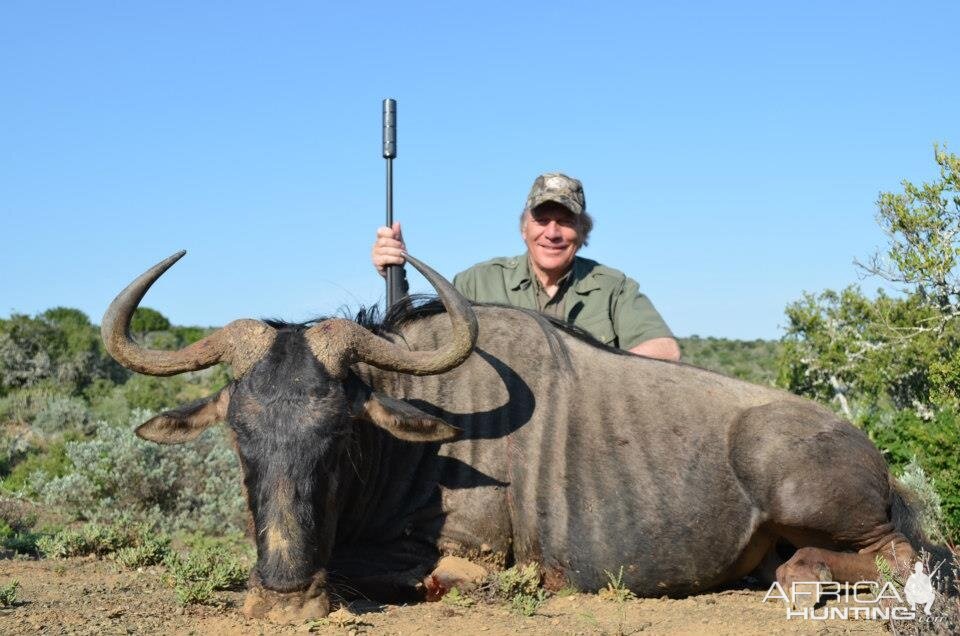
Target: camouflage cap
{"type": "Point", "coordinates": [557, 187]}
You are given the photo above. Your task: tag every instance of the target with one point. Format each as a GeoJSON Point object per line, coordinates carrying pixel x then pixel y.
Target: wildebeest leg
{"type": "Point", "coordinates": [822, 486]}
{"type": "Point", "coordinates": [819, 564]}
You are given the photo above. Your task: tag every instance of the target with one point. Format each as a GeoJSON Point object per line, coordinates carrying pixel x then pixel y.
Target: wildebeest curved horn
{"type": "Point", "coordinates": [240, 343]}
{"type": "Point", "coordinates": [337, 342]}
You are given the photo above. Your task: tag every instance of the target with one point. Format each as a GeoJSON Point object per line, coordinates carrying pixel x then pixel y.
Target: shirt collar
{"type": "Point", "coordinates": [582, 282]}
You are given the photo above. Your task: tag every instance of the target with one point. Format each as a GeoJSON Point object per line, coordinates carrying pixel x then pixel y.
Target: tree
{"type": "Point", "coordinates": [904, 349]}
{"type": "Point", "coordinates": [146, 320]}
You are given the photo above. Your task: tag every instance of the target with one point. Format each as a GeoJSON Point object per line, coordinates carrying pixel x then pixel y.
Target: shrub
{"type": "Point", "coordinates": [615, 589]}
{"type": "Point", "coordinates": [52, 461]}
{"type": "Point", "coordinates": [145, 320]}
{"type": "Point", "coordinates": [90, 539]}
{"type": "Point", "coordinates": [153, 394]}
{"type": "Point", "coordinates": [932, 446]}
{"type": "Point", "coordinates": [132, 545]}
{"type": "Point", "coordinates": [209, 566]}
{"type": "Point", "coordinates": [63, 415]}
{"type": "Point", "coordinates": [518, 585]}
{"type": "Point", "coordinates": [8, 593]}
{"type": "Point", "coordinates": [151, 551]}
{"type": "Point", "coordinates": [194, 486]}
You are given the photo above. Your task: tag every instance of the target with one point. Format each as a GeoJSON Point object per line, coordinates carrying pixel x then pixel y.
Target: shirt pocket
{"type": "Point", "coordinates": [601, 328]}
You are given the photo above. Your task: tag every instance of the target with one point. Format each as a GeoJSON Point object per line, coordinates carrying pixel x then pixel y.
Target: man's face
{"type": "Point", "coordinates": [552, 235]}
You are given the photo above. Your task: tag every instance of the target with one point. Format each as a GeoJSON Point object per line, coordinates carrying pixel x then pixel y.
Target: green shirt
{"type": "Point", "coordinates": [598, 299]}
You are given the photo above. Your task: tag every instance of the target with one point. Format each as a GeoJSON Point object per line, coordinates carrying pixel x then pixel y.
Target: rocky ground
{"type": "Point", "coordinates": [89, 596]}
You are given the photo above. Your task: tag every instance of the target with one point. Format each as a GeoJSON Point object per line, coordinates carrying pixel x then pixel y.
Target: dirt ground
{"type": "Point", "coordinates": [88, 596]}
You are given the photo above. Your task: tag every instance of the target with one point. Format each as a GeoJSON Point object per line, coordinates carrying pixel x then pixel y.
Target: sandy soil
{"type": "Point", "coordinates": [87, 596]}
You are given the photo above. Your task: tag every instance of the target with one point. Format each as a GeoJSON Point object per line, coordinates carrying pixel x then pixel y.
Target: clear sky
{"type": "Point", "coordinates": [731, 153]}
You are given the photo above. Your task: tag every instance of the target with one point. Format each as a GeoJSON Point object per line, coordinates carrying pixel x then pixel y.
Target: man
{"type": "Point", "coordinates": [551, 278]}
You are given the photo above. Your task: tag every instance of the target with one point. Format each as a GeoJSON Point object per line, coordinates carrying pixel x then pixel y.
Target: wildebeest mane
{"type": "Point", "coordinates": [418, 306]}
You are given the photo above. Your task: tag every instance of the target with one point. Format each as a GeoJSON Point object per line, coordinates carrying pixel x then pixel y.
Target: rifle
{"type": "Point", "coordinates": [396, 274]}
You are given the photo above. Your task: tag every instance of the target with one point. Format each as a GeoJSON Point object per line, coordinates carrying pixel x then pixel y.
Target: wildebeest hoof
{"type": "Point", "coordinates": [280, 607]}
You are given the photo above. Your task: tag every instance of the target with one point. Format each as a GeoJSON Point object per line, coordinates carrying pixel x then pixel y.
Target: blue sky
{"type": "Point", "coordinates": [731, 153]}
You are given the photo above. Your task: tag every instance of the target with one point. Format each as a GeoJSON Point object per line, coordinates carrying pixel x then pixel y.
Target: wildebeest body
{"type": "Point", "coordinates": [581, 458]}
{"type": "Point", "coordinates": [586, 460]}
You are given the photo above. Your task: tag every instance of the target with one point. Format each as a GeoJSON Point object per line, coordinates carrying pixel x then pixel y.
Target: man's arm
{"type": "Point", "coordinates": [637, 322]}
{"type": "Point", "coordinates": [659, 348]}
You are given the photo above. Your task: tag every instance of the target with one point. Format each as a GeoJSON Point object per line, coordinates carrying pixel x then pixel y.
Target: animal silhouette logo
{"type": "Point", "coordinates": [919, 589]}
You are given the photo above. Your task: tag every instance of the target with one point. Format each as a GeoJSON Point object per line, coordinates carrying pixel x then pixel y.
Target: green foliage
{"type": "Point", "coordinates": [899, 350]}
{"type": "Point", "coordinates": [59, 345]}
{"type": "Point", "coordinates": [24, 542]}
{"type": "Point", "coordinates": [910, 443]}
{"type": "Point", "coordinates": [519, 579]}
{"type": "Point", "coordinates": [152, 549]}
{"type": "Point", "coordinates": [204, 569]}
{"type": "Point", "coordinates": [64, 414]}
{"type": "Point", "coordinates": [884, 568]}
{"type": "Point", "coordinates": [845, 346]}
{"type": "Point", "coordinates": [188, 335]}
{"type": "Point", "coordinates": [132, 545]}
{"type": "Point", "coordinates": [528, 604]}
{"type": "Point", "coordinates": [458, 599]}
{"type": "Point", "coordinates": [152, 393]}
{"type": "Point", "coordinates": [194, 486]}
{"type": "Point", "coordinates": [751, 360]}
{"type": "Point", "coordinates": [89, 539]}
{"type": "Point", "coordinates": [52, 462]}
{"type": "Point", "coordinates": [615, 589]}
{"type": "Point", "coordinates": [145, 320]}
{"type": "Point", "coordinates": [520, 586]}
{"type": "Point", "coordinates": [8, 593]}
{"type": "Point", "coordinates": [927, 501]}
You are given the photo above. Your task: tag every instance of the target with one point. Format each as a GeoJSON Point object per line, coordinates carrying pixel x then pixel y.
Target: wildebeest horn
{"type": "Point", "coordinates": [338, 343]}
{"type": "Point", "coordinates": [241, 343]}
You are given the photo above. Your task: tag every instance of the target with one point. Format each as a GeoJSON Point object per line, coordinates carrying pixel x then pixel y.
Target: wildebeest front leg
{"type": "Point", "coordinates": [810, 565]}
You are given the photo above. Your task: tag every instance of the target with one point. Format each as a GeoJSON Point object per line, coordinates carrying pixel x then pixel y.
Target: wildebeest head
{"type": "Point", "coordinates": [291, 408]}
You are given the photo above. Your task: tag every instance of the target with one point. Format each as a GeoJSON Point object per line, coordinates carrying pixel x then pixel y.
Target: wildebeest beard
{"type": "Point", "coordinates": [290, 435]}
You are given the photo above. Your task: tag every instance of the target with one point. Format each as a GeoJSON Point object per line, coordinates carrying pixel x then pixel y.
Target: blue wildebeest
{"type": "Point", "coordinates": [492, 433]}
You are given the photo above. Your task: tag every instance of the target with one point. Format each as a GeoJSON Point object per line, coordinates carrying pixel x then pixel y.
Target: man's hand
{"type": "Point", "coordinates": [659, 348]}
{"type": "Point", "coordinates": [388, 249]}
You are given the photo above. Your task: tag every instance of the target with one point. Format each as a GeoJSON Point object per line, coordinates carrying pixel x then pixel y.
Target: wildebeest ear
{"type": "Point", "coordinates": [398, 418]}
{"type": "Point", "coordinates": [185, 423]}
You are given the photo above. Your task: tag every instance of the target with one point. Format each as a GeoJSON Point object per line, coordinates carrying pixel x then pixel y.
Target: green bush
{"type": "Point", "coordinates": [8, 593]}
{"type": "Point", "coordinates": [152, 550]}
{"type": "Point", "coordinates": [92, 538]}
{"type": "Point", "coordinates": [59, 345]}
{"type": "Point", "coordinates": [51, 462]}
{"type": "Point", "coordinates": [193, 486]}
{"type": "Point", "coordinates": [145, 320]}
{"type": "Point", "coordinates": [64, 415]}
{"type": "Point", "coordinates": [207, 567]}
{"type": "Point", "coordinates": [931, 445]}
{"type": "Point", "coordinates": [152, 393]}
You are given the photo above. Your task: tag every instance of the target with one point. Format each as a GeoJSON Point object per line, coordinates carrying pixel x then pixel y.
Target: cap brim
{"type": "Point", "coordinates": [566, 202]}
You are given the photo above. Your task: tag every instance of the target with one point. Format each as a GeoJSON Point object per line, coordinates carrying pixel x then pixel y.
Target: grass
{"type": "Point", "coordinates": [96, 539]}
{"type": "Point", "coordinates": [615, 589]}
{"type": "Point", "coordinates": [458, 599]}
{"type": "Point", "coordinates": [200, 572]}
{"type": "Point", "coordinates": [8, 593]}
{"type": "Point", "coordinates": [519, 586]}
